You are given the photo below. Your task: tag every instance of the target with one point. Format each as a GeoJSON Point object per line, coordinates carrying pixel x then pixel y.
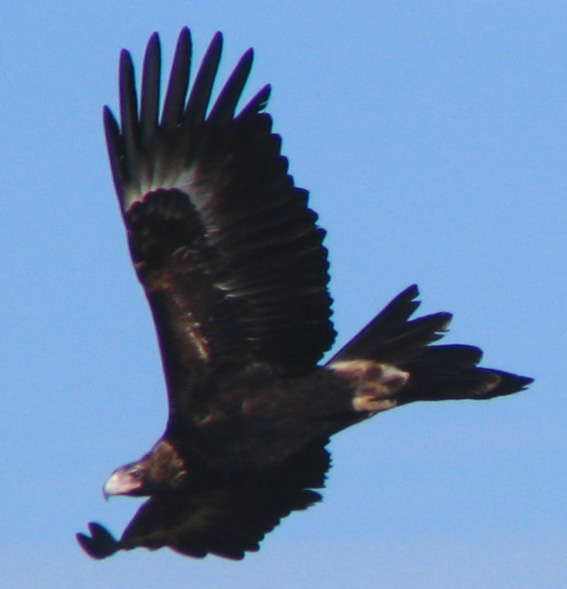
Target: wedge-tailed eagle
{"type": "Point", "coordinates": [233, 265]}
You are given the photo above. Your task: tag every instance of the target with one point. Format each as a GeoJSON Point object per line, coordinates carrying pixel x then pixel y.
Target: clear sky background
{"type": "Point", "coordinates": [433, 138]}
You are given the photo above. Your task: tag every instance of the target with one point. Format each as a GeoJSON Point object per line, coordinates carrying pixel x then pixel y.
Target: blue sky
{"type": "Point", "coordinates": [433, 138]}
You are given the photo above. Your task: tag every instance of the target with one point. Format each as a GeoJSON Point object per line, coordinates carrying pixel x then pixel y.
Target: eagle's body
{"type": "Point", "coordinates": [258, 418]}
{"type": "Point", "coordinates": [234, 269]}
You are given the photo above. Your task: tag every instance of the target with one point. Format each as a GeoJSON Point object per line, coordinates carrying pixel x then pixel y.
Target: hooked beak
{"type": "Point", "coordinates": [121, 483]}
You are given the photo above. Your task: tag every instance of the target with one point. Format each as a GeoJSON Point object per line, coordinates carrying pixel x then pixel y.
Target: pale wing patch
{"type": "Point", "coordinates": [165, 176]}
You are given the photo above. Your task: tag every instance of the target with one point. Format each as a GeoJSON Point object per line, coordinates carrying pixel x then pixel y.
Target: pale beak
{"type": "Point", "coordinates": [120, 483]}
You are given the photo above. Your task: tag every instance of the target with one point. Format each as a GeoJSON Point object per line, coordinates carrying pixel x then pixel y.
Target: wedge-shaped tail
{"type": "Point", "coordinates": [436, 372]}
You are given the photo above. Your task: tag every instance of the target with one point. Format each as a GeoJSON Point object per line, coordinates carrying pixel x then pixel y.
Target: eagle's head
{"type": "Point", "coordinates": [161, 469]}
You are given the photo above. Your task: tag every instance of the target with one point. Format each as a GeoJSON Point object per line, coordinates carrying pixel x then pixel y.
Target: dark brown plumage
{"type": "Point", "coordinates": [233, 266]}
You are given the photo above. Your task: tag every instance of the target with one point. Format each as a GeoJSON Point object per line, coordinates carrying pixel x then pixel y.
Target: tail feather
{"type": "Point", "coordinates": [440, 374]}
{"type": "Point", "coordinates": [437, 372]}
{"type": "Point", "coordinates": [390, 337]}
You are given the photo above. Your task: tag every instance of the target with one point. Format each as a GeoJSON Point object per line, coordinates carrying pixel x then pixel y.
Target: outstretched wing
{"type": "Point", "coordinates": [229, 254]}
{"type": "Point", "coordinates": [228, 519]}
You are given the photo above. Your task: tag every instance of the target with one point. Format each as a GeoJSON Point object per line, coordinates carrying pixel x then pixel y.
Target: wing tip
{"type": "Point", "coordinates": [154, 38]}
{"type": "Point", "coordinates": [139, 117]}
{"type": "Point", "coordinates": [125, 59]}
{"type": "Point", "coordinates": [218, 37]}
{"type": "Point", "coordinates": [100, 544]}
{"type": "Point", "coordinates": [258, 103]}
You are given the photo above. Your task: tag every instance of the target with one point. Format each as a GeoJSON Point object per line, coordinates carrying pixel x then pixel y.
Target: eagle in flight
{"type": "Point", "coordinates": [233, 265]}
